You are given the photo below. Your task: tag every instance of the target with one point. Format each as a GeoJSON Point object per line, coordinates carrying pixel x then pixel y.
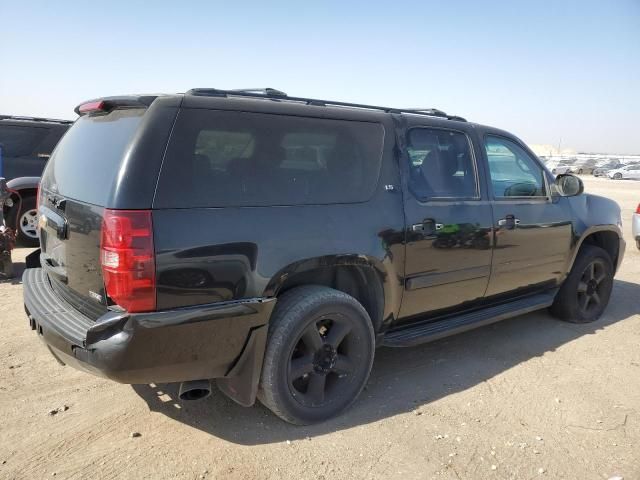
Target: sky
{"type": "Point", "coordinates": [552, 72]}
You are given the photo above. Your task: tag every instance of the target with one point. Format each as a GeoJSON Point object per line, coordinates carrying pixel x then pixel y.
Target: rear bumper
{"type": "Point", "coordinates": [207, 341]}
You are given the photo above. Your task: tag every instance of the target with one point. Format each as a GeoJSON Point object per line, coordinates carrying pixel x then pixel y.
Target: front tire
{"type": "Point", "coordinates": [25, 221]}
{"type": "Point", "coordinates": [319, 354]}
{"type": "Point", "coordinates": [585, 293]}
{"type": "Point", "coordinates": [617, 176]}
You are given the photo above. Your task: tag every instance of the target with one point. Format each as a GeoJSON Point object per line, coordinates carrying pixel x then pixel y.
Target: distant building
{"type": "Point", "coordinates": [551, 154]}
{"type": "Point", "coordinates": [550, 150]}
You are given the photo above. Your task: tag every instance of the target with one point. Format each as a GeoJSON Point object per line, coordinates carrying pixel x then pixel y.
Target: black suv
{"type": "Point", "coordinates": [26, 144]}
{"type": "Point", "coordinates": [272, 242]}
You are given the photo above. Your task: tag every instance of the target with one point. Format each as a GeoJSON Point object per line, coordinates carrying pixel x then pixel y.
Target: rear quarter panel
{"type": "Point", "coordinates": [206, 255]}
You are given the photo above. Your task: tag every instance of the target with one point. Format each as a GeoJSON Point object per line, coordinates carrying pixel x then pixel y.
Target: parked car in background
{"type": "Point", "coordinates": [602, 169]}
{"type": "Point", "coordinates": [27, 143]}
{"type": "Point", "coordinates": [635, 226]}
{"type": "Point", "coordinates": [562, 167]}
{"type": "Point", "coordinates": [272, 243]}
{"type": "Point", "coordinates": [626, 172]}
{"type": "Point", "coordinates": [584, 167]}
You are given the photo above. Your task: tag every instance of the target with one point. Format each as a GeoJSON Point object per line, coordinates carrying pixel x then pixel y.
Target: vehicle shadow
{"type": "Point", "coordinates": [16, 279]}
{"type": "Point", "coordinates": [402, 379]}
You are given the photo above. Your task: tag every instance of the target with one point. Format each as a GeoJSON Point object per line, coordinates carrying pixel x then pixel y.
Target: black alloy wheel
{"type": "Point", "coordinates": [585, 292]}
{"type": "Point", "coordinates": [592, 285]}
{"type": "Point", "coordinates": [319, 354]}
{"type": "Point", "coordinates": [322, 359]}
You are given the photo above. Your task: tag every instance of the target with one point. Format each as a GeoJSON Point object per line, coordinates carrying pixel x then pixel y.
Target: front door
{"type": "Point", "coordinates": [532, 229]}
{"type": "Point", "coordinates": [448, 241]}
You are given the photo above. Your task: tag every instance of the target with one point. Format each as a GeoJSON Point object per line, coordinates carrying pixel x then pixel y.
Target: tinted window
{"type": "Point", "coordinates": [441, 165]}
{"type": "Point", "coordinates": [86, 162]}
{"type": "Point", "coordinates": [18, 141]}
{"type": "Point", "coordinates": [514, 173]}
{"type": "Point", "coordinates": [218, 159]}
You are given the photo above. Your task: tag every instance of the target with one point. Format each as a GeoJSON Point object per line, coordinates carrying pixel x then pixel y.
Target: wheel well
{"type": "Point", "coordinates": [362, 283]}
{"type": "Point", "coordinates": [25, 192]}
{"type": "Point", "coordinates": [608, 241]}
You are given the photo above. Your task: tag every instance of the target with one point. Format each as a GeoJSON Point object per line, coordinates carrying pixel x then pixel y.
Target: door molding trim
{"type": "Point", "coordinates": [425, 280]}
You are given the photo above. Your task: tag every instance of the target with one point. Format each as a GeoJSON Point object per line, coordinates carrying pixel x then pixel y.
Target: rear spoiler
{"type": "Point", "coordinates": [106, 104]}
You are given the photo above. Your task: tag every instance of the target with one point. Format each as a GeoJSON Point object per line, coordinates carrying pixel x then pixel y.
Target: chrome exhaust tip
{"type": "Point", "coordinates": [194, 390]}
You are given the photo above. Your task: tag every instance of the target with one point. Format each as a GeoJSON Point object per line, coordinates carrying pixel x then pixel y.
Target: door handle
{"type": "Point", "coordinates": [429, 226]}
{"type": "Point", "coordinates": [510, 222]}
{"type": "Point", "coordinates": [54, 220]}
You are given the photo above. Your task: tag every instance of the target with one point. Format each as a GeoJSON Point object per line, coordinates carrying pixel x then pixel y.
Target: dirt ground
{"type": "Point", "coordinates": [530, 397]}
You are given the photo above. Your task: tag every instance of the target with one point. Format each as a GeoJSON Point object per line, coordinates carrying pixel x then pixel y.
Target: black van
{"type": "Point", "coordinates": [26, 144]}
{"type": "Point", "coordinates": [272, 242]}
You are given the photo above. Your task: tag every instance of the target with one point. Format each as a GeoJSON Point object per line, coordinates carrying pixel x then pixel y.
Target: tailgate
{"type": "Point", "coordinates": [70, 251]}
{"type": "Point", "coordinates": [77, 185]}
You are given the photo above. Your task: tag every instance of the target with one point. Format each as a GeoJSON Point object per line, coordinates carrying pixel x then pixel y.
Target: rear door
{"type": "Point", "coordinates": [448, 241]}
{"type": "Point", "coordinates": [533, 230]}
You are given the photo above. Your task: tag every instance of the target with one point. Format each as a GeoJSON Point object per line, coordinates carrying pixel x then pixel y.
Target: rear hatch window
{"type": "Point", "coordinates": [226, 159]}
{"type": "Point", "coordinates": [86, 162]}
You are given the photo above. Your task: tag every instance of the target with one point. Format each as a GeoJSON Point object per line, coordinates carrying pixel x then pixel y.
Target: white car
{"type": "Point", "coordinates": [635, 226]}
{"type": "Point", "coordinates": [560, 169]}
{"type": "Point", "coordinates": [630, 171]}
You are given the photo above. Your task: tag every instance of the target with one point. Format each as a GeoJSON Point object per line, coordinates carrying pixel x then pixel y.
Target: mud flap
{"type": "Point", "coordinates": [241, 383]}
{"type": "Point", "coordinates": [33, 259]}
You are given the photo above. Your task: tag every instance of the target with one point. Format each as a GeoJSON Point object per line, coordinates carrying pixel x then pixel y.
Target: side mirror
{"type": "Point", "coordinates": [569, 185]}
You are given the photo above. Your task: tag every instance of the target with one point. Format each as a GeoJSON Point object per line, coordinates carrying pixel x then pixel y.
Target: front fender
{"type": "Point", "coordinates": [594, 229]}
{"type": "Point", "coordinates": [593, 214]}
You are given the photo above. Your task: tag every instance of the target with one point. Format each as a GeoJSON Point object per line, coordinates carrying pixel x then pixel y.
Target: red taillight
{"type": "Point", "coordinates": [638, 209]}
{"type": "Point", "coordinates": [91, 107]}
{"type": "Point", "coordinates": [127, 259]}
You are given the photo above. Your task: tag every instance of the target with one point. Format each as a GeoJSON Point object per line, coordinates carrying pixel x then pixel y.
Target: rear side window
{"type": "Point", "coordinates": [441, 164]}
{"type": "Point", "coordinates": [18, 141]}
{"type": "Point", "coordinates": [85, 164]}
{"type": "Point", "coordinates": [222, 159]}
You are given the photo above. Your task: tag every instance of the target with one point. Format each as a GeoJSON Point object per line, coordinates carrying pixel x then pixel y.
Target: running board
{"type": "Point", "coordinates": [428, 331]}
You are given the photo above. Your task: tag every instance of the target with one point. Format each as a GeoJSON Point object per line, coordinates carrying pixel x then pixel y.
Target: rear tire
{"type": "Point", "coordinates": [25, 221]}
{"type": "Point", "coordinates": [617, 176]}
{"type": "Point", "coordinates": [585, 293]}
{"type": "Point", "coordinates": [319, 354]}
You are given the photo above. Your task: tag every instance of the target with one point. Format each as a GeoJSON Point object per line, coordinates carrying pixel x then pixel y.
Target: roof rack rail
{"type": "Point", "coordinates": [271, 92]}
{"type": "Point", "coordinates": [430, 111]}
{"type": "Point", "coordinates": [277, 95]}
{"type": "Point", "coordinates": [34, 119]}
